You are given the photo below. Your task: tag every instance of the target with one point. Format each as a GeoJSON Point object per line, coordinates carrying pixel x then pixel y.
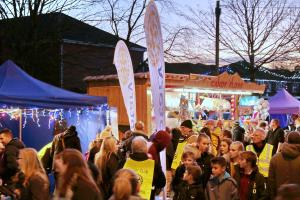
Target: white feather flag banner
{"type": "Point", "coordinates": [123, 63]}
{"type": "Point", "coordinates": [156, 63]}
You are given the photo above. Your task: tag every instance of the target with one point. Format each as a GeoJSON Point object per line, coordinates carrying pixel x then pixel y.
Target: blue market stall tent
{"type": "Point", "coordinates": [40, 103]}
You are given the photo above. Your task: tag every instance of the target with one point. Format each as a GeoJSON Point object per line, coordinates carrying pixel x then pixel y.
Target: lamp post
{"type": "Point", "coordinates": [218, 13]}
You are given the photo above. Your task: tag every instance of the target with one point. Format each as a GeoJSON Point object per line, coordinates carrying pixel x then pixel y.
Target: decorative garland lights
{"type": "Point", "coordinates": [36, 113]}
{"type": "Point", "coordinates": [228, 69]}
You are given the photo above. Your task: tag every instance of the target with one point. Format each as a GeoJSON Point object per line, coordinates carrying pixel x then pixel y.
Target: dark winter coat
{"type": "Point", "coordinates": [67, 139]}
{"type": "Point", "coordinates": [204, 163]}
{"type": "Point", "coordinates": [126, 145]}
{"type": "Point", "coordinates": [159, 179]}
{"type": "Point", "coordinates": [223, 189]}
{"type": "Point", "coordinates": [37, 189]}
{"type": "Point", "coordinates": [238, 133]}
{"type": "Point", "coordinates": [112, 166]}
{"type": "Point", "coordinates": [189, 192]}
{"type": "Point", "coordinates": [130, 198]}
{"type": "Point", "coordinates": [275, 137]}
{"type": "Point", "coordinates": [10, 156]}
{"type": "Point", "coordinates": [177, 180]}
{"type": "Point", "coordinates": [81, 190]}
{"type": "Point", "coordinates": [284, 167]}
{"type": "Point", "coordinates": [257, 187]}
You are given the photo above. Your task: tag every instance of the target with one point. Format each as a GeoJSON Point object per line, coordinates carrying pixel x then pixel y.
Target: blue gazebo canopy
{"type": "Point", "coordinates": [17, 88]}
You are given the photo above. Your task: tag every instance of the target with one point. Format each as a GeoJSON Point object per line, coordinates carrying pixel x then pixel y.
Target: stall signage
{"type": "Point", "coordinates": [227, 81]}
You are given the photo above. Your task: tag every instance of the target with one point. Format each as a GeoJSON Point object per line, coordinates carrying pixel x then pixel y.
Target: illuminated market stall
{"type": "Point", "coordinates": [199, 97]}
{"type": "Point", "coordinates": [31, 107]}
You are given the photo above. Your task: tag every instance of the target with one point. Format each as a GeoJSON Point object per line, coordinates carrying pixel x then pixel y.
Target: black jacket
{"type": "Point", "coordinates": [177, 180]}
{"type": "Point", "coordinates": [112, 166]}
{"type": "Point", "coordinates": [257, 187]}
{"type": "Point", "coordinates": [204, 163]}
{"type": "Point", "coordinates": [67, 139]}
{"type": "Point", "coordinates": [126, 145]}
{"type": "Point", "coordinates": [10, 156]}
{"type": "Point", "coordinates": [189, 192]}
{"type": "Point", "coordinates": [159, 179]}
{"type": "Point", "coordinates": [275, 137]}
{"type": "Point", "coordinates": [81, 190]}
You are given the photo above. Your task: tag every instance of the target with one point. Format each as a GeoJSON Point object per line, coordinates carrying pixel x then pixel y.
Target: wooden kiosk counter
{"type": "Point", "coordinates": [224, 84]}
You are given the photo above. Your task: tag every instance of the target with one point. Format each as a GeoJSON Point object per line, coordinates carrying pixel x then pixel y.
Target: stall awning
{"type": "Point", "coordinates": [17, 88]}
{"type": "Point", "coordinates": [284, 103]}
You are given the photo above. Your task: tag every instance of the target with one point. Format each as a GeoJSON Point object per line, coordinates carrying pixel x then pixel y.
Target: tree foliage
{"type": "Point", "coordinates": [257, 31]}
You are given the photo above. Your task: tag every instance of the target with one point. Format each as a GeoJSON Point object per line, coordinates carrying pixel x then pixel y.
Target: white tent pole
{"type": "Point", "coordinates": [20, 125]}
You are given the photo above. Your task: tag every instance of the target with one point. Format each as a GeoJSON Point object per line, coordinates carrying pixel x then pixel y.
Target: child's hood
{"type": "Point", "coordinates": [221, 179]}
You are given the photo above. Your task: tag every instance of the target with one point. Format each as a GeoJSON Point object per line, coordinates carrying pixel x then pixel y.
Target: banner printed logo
{"type": "Point", "coordinates": [156, 63]}
{"type": "Point", "coordinates": [124, 67]}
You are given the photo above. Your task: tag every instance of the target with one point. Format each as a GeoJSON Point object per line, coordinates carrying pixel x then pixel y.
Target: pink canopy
{"type": "Point", "coordinates": [284, 103]}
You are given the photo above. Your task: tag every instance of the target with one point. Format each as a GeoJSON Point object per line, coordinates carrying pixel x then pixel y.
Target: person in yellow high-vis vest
{"type": "Point", "coordinates": [151, 176]}
{"type": "Point", "coordinates": [263, 151]}
{"type": "Point", "coordinates": [187, 137]}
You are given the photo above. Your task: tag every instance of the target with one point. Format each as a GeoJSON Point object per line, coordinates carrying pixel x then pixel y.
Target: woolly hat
{"type": "Point", "coordinates": [163, 138]}
{"type": "Point", "coordinates": [293, 137]}
{"type": "Point", "coordinates": [187, 123]}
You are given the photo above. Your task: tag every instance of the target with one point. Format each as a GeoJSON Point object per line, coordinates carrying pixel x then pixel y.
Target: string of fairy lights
{"type": "Point", "coordinates": [35, 114]}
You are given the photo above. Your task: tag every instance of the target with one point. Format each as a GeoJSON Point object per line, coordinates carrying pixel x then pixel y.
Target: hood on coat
{"type": "Point", "coordinates": [219, 180]}
{"type": "Point", "coordinates": [17, 143]}
{"type": "Point", "coordinates": [290, 150]}
{"type": "Point", "coordinates": [70, 132]}
{"type": "Point", "coordinates": [161, 140]}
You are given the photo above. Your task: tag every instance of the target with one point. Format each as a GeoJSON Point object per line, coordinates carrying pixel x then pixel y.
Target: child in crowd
{"type": "Point", "coordinates": [235, 149]}
{"type": "Point", "coordinates": [221, 186]}
{"type": "Point", "coordinates": [191, 188]}
{"type": "Point", "coordinates": [225, 134]}
{"type": "Point", "coordinates": [204, 160]}
{"type": "Point", "coordinates": [224, 149]}
{"type": "Point", "coordinates": [187, 159]}
{"type": "Point", "coordinates": [251, 183]}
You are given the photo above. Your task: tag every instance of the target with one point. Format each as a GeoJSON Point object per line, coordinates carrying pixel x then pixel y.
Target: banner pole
{"type": "Point", "coordinates": [20, 124]}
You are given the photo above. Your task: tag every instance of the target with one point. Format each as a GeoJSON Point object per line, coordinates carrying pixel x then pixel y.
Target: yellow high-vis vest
{"type": "Point", "coordinates": [263, 161]}
{"type": "Point", "coordinates": [177, 156]}
{"type": "Point", "coordinates": [145, 172]}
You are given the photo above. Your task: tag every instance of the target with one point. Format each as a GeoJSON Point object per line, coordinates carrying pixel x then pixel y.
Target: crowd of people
{"type": "Point", "coordinates": [213, 164]}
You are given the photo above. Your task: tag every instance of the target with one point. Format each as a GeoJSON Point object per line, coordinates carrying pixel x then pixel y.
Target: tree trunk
{"type": "Point", "coordinates": [252, 69]}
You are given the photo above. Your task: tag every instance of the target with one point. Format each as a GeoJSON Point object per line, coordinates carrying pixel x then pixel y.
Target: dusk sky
{"type": "Point", "coordinates": [170, 20]}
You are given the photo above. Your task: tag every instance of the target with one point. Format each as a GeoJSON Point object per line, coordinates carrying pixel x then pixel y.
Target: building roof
{"type": "Point", "coordinates": [239, 67]}
{"type": "Point", "coordinates": [223, 81]}
{"type": "Point", "coordinates": [68, 29]}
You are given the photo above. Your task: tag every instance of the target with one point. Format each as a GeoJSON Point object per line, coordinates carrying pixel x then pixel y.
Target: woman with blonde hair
{"type": "Point", "coordinates": [121, 190]}
{"type": "Point", "coordinates": [126, 186]}
{"type": "Point", "coordinates": [75, 180]}
{"type": "Point", "coordinates": [36, 182]}
{"type": "Point", "coordinates": [107, 162]}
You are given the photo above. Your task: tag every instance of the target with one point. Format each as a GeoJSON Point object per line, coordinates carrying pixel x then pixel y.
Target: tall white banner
{"type": "Point", "coordinates": [156, 63]}
{"type": "Point", "coordinates": [122, 61]}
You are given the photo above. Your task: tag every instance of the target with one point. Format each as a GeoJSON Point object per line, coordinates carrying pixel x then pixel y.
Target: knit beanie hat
{"type": "Point", "coordinates": [293, 137]}
{"type": "Point", "coordinates": [163, 138]}
{"type": "Point", "coordinates": [187, 123]}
